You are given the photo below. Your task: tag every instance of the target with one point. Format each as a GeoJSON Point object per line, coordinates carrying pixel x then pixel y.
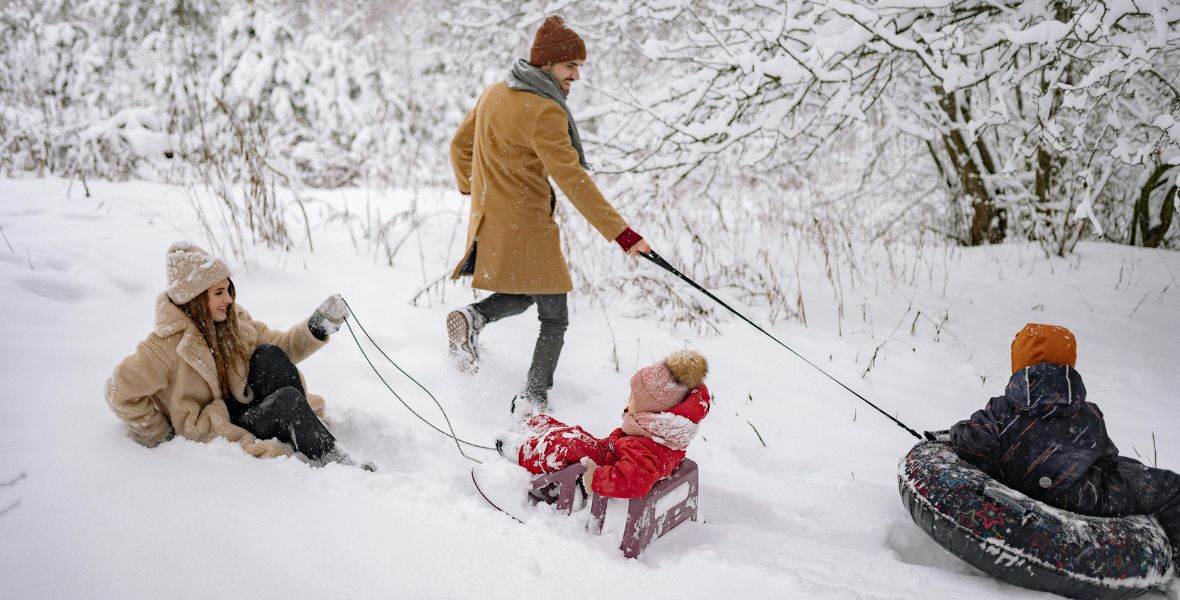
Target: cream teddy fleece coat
{"type": "Point", "coordinates": [170, 383]}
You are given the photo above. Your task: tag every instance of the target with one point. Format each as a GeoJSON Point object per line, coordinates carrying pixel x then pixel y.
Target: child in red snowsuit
{"type": "Point", "coordinates": [668, 401]}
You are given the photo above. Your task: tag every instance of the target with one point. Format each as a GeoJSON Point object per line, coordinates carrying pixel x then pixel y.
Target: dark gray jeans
{"type": "Point", "coordinates": [554, 317]}
{"type": "Point", "coordinates": [280, 409]}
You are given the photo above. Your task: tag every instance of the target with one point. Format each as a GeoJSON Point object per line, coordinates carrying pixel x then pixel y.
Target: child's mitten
{"type": "Point", "coordinates": [588, 476]}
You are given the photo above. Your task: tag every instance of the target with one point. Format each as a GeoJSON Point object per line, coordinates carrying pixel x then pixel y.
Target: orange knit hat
{"type": "Point", "coordinates": [1036, 344]}
{"type": "Point", "coordinates": [555, 43]}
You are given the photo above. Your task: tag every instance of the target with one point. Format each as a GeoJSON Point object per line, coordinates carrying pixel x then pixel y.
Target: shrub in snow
{"type": "Point", "coordinates": [1040, 118]}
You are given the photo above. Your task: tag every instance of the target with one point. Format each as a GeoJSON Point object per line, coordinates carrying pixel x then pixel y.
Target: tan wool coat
{"type": "Point", "coordinates": [170, 383]}
{"type": "Point", "coordinates": [503, 154]}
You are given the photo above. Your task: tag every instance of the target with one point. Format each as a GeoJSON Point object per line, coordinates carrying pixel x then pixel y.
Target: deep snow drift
{"type": "Point", "coordinates": [798, 483]}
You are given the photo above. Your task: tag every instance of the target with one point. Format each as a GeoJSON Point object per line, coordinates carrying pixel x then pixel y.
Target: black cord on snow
{"type": "Point", "coordinates": [660, 262]}
{"type": "Point", "coordinates": [452, 435]}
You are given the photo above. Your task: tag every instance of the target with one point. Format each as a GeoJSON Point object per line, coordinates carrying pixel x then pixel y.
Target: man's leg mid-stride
{"type": "Point", "coordinates": [464, 324]}
{"type": "Point", "coordinates": [554, 317]}
{"type": "Point", "coordinates": [463, 328]}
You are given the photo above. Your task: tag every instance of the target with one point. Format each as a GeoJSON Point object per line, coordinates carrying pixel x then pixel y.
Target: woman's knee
{"type": "Point", "coordinates": [269, 416]}
{"type": "Point", "coordinates": [269, 354]}
{"type": "Point", "coordinates": [287, 400]}
{"type": "Point", "coordinates": [271, 369]}
{"type": "Point", "coordinates": [269, 351]}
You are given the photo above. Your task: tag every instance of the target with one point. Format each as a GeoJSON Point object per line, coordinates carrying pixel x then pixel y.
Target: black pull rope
{"type": "Point", "coordinates": [458, 441]}
{"type": "Point", "coordinates": [660, 262]}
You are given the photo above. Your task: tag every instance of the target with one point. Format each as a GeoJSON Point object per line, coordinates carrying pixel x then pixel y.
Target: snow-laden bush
{"type": "Point", "coordinates": [714, 127]}
{"type": "Point", "coordinates": [1041, 118]}
{"type": "Point", "coordinates": [238, 96]}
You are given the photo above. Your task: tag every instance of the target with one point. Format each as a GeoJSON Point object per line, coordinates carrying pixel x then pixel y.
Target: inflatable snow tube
{"type": "Point", "coordinates": [1012, 537]}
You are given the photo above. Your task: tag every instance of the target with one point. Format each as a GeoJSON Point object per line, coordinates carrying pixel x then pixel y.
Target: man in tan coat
{"type": "Point", "coordinates": [519, 135]}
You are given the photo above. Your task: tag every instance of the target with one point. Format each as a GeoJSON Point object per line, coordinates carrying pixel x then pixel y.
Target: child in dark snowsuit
{"type": "Point", "coordinates": [1042, 438]}
{"type": "Point", "coordinates": [668, 401]}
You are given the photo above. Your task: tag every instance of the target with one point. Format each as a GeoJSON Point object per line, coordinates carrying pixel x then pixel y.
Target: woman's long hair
{"type": "Point", "coordinates": [222, 338]}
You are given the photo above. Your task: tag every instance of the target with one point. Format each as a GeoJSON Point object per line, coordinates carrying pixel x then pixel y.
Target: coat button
{"type": "Point", "coordinates": [1045, 482]}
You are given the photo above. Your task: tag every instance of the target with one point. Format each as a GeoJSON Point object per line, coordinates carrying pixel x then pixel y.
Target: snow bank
{"type": "Point", "coordinates": [812, 513]}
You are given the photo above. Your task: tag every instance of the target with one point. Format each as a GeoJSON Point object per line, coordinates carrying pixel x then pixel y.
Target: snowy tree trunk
{"type": "Point", "coordinates": [1152, 235]}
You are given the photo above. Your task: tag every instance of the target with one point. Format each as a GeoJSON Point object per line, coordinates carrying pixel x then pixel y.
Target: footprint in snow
{"type": "Point", "coordinates": [53, 287]}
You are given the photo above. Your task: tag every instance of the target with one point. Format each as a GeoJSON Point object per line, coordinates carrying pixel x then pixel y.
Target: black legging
{"type": "Point", "coordinates": [280, 408]}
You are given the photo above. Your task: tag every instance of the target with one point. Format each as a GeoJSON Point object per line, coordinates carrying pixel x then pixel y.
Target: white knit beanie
{"type": "Point", "coordinates": [191, 271]}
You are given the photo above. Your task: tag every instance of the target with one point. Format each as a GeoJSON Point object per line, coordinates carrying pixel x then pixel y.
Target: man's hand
{"type": "Point", "coordinates": [640, 247]}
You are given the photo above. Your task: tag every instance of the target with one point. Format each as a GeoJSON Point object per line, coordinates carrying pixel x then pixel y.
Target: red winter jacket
{"type": "Point", "coordinates": [635, 463]}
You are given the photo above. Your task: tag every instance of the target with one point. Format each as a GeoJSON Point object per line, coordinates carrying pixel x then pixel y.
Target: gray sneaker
{"type": "Point", "coordinates": [463, 327]}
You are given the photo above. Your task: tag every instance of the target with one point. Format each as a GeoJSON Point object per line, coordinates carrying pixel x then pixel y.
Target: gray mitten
{"type": "Point", "coordinates": [327, 319]}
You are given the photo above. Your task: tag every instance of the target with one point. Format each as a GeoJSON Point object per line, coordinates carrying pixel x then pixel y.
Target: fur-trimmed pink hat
{"type": "Point", "coordinates": [662, 386]}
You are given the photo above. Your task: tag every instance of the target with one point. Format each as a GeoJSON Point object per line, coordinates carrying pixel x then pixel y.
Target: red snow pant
{"type": "Point", "coordinates": [553, 445]}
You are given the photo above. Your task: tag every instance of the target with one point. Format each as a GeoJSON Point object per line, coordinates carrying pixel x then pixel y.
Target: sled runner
{"type": "Point", "coordinates": [1027, 543]}
{"type": "Point", "coordinates": [648, 518]}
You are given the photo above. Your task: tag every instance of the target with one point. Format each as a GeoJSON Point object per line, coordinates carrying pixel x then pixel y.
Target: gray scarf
{"type": "Point", "coordinates": [527, 78]}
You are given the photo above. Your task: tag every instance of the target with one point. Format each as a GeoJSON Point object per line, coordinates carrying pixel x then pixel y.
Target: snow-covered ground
{"type": "Point", "coordinates": [813, 512]}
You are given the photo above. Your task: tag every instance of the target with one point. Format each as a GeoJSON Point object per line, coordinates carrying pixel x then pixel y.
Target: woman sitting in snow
{"type": "Point", "coordinates": [1042, 438]}
{"type": "Point", "coordinates": [668, 400]}
{"type": "Point", "coordinates": [208, 370]}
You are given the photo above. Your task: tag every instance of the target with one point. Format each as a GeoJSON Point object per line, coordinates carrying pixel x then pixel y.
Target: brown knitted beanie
{"type": "Point", "coordinates": [556, 43]}
{"type": "Point", "coordinates": [1036, 344]}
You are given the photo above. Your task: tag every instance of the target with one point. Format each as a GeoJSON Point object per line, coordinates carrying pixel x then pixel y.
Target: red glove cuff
{"type": "Point", "coordinates": [628, 238]}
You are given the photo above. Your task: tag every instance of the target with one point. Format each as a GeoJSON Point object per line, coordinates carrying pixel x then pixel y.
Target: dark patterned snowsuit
{"type": "Point", "coordinates": [1042, 438]}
